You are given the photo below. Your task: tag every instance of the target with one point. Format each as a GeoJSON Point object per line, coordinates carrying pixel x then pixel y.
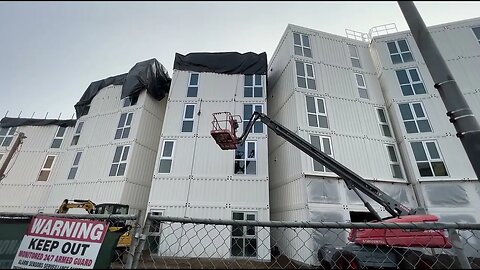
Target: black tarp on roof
{"type": "Point", "coordinates": [225, 62]}
{"type": "Point", "coordinates": [149, 74]}
{"type": "Point", "coordinates": [15, 122]}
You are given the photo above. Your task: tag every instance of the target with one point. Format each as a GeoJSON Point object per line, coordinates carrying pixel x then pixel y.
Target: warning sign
{"type": "Point", "coordinates": [60, 243]}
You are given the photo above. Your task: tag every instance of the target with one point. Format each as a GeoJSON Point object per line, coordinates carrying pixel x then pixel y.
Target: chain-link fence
{"type": "Point", "coordinates": [168, 242]}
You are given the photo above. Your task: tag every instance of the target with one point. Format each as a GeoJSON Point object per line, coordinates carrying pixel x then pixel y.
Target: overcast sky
{"type": "Point", "coordinates": [51, 51]}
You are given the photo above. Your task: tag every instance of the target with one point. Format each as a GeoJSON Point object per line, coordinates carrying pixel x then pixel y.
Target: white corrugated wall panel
{"type": "Point", "coordinates": [97, 162]}
{"type": "Point", "coordinates": [287, 116]}
{"type": "Point", "coordinates": [107, 100]}
{"type": "Point", "coordinates": [291, 195]}
{"type": "Point", "coordinates": [211, 86]}
{"type": "Point", "coordinates": [366, 61]}
{"type": "Point", "coordinates": [135, 195]}
{"type": "Point", "coordinates": [375, 94]}
{"type": "Point", "coordinates": [141, 165]}
{"type": "Point", "coordinates": [13, 196]}
{"type": "Point", "coordinates": [332, 51]}
{"type": "Point", "coordinates": [281, 91]}
{"type": "Point", "coordinates": [182, 157]}
{"type": "Point", "coordinates": [211, 161]}
{"type": "Point", "coordinates": [339, 82]}
{"type": "Point", "coordinates": [169, 191]}
{"type": "Point", "coordinates": [213, 192]}
{"type": "Point", "coordinates": [280, 59]}
{"type": "Point", "coordinates": [59, 193]}
{"type": "Point", "coordinates": [248, 193]}
{"type": "Point", "coordinates": [473, 101]}
{"type": "Point", "coordinates": [149, 126]}
{"type": "Point", "coordinates": [285, 164]}
{"type": "Point", "coordinates": [174, 115]}
{"type": "Point", "coordinates": [100, 191]}
{"type": "Point", "coordinates": [156, 107]}
{"type": "Point", "coordinates": [37, 196]}
{"type": "Point", "coordinates": [465, 72]}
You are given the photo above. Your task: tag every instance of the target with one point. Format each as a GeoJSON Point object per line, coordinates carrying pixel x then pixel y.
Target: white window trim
{"type": "Point", "coordinates": [360, 86]}
{"type": "Point", "coordinates": [246, 158]}
{"type": "Point", "coordinates": [193, 85]}
{"type": "Point", "coordinates": [415, 117]}
{"type": "Point", "coordinates": [245, 121]}
{"type": "Point", "coordinates": [167, 158]}
{"type": "Point", "coordinates": [59, 138]}
{"type": "Point", "coordinates": [411, 82]}
{"type": "Point", "coordinates": [394, 162]}
{"type": "Point", "coordinates": [306, 77]}
{"type": "Point", "coordinates": [77, 132]}
{"type": "Point", "coordinates": [125, 125]}
{"type": "Point", "coordinates": [302, 46]}
{"type": "Point", "coordinates": [8, 136]}
{"type": "Point", "coordinates": [253, 85]}
{"type": "Point", "coordinates": [322, 149]}
{"type": "Point", "coordinates": [354, 57]}
{"type": "Point", "coordinates": [317, 111]}
{"type": "Point", "coordinates": [75, 166]}
{"type": "Point", "coordinates": [47, 169]}
{"type": "Point", "coordinates": [159, 212]}
{"type": "Point", "coordinates": [399, 52]}
{"type": "Point", "coordinates": [188, 119]}
{"type": "Point", "coordinates": [120, 160]}
{"type": "Point", "coordinates": [380, 123]}
{"type": "Point", "coordinates": [429, 158]}
{"type": "Point", "coordinates": [245, 236]}
{"type": "Point", "coordinates": [478, 38]}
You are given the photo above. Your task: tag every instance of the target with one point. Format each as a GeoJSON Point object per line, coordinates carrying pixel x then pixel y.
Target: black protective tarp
{"type": "Point", "coordinates": [149, 74]}
{"type": "Point", "coordinates": [226, 63]}
{"type": "Point", "coordinates": [15, 122]}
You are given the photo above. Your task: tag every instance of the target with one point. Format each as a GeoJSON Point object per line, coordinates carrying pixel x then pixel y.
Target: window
{"type": "Point", "coordinates": [476, 31]}
{"type": "Point", "coordinates": [156, 225]}
{"type": "Point", "coordinates": [57, 141]}
{"type": "Point", "coordinates": [76, 136]}
{"type": "Point", "coordinates": [253, 86]}
{"type": "Point", "coordinates": [362, 87]}
{"type": "Point", "coordinates": [429, 159]}
{"type": "Point", "coordinates": [166, 159]}
{"type": "Point", "coordinates": [305, 79]}
{"type": "Point", "coordinates": [316, 113]}
{"type": "Point", "coordinates": [73, 170]}
{"type": "Point", "coordinates": [394, 161]}
{"type": "Point", "coordinates": [130, 100]}
{"type": "Point", "coordinates": [6, 135]}
{"type": "Point", "coordinates": [323, 144]}
{"type": "Point", "coordinates": [246, 163]}
{"type": "Point", "coordinates": [382, 121]}
{"type": "Point", "coordinates": [119, 163]}
{"type": "Point", "coordinates": [187, 125]}
{"type": "Point", "coordinates": [410, 82]}
{"type": "Point", "coordinates": [354, 58]}
{"type": "Point", "coordinates": [244, 238]}
{"type": "Point", "coordinates": [46, 168]}
{"type": "Point", "coordinates": [301, 45]}
{"type": "Point", "coordinates": [399, 51]}
{"type": "Point", "coordinates": [123, 128]}
{"type": "Point", "coordinates": [414, 117]}
{"type": "Point", "coordinates": [248, 110]}
{"type": "Point", "coordinates": [192, 90]}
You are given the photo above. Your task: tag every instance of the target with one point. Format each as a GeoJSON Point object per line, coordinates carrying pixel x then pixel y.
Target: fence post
{"type": "Point", "coordinates": [141, 242]}
{"type": "Point", "coordinates": [133, 245]}
{"type": "Point", "coordinates": [458, 248]}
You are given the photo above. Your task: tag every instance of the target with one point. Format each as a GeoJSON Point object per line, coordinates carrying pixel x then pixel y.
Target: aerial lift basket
{"type": "Point", "coordinates": [224, 129]}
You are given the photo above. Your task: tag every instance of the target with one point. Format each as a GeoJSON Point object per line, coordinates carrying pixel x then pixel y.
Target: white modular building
{"type": "Point", "coordinates": [193, 177]}
{"type": "Point", "coordinates": [106, 155]}
{"type": "Point", "coordinates": [372, 106]}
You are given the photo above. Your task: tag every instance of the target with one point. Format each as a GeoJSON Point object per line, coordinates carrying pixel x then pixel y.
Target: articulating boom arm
{"type": "Point", "coordinates": [352, 180]}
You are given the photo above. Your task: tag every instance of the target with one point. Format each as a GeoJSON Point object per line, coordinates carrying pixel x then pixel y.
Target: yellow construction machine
{"type": "Point", "coordinates": [108, 209]}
